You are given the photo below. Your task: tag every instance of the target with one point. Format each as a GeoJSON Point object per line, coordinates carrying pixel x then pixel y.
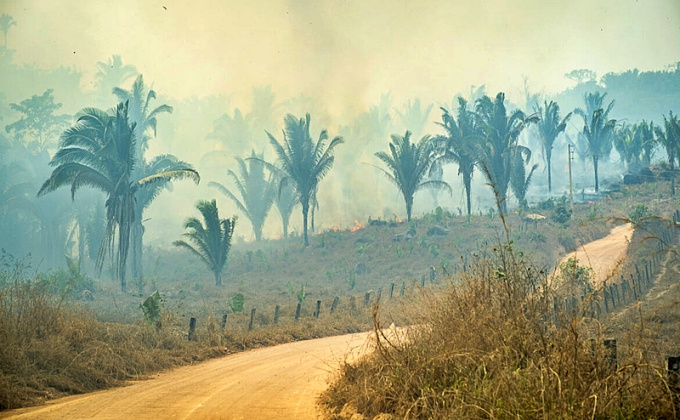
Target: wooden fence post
{"type": "Point", "coordinates": [635, 289]}
{"type": "Point", "coordinates": [422, 280]}
{"type": "Point", "coordinates": [433, 274]}
{"type": "Point", "coordinates": [224, 322]}
{"type": "Point", "coordinates": [297, 311]}
{"type": "Point", "coordinates": [276, 314]}
{"type": "Point", "coordinates": [379, 294]}
{"type": "Point", "coordinates": [403, 289]}
{"type": "Point", "coordinates": [391, 290]}
{"type": "Point", "coordinates": [367, 298]}
{"type": "Point", "coordinates": [192, 329]}
{"type": "Point", "coordinates": [252, 319]}
{"type": "Point", "coordinates": [610, 348]}
{"type": "Point", "coordinates": [352, 304]}
{"type": "Point", "coordinates": [318, 309]}
{"type": "Point", "coordinates": [334, 306]}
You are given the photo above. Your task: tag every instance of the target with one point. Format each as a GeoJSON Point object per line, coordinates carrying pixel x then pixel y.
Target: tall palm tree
{"type": "Point", "coordinates": [497, 151]}
{"type": "Point", "coordinates": [285, 203]}
{"type": "Point", "coordinates": [408, 165]}
{"type": "Point", "coordinates": [598, 133]}
{"type": "Point", "coordinates": [99, 151]}
{"type": "Point", "coordinates": [211, 240]}
{"type": "Point", "coordinates": [459, 144]}
{"type": "Point", "coordinates": [415, 116]}
{"type": "Point", "coordinates": [6, 22]}
{"type": "Point", "coordinates": [257, 191]}
{"type": "Point", "coordinates": [669, 138]}
{"type": "Point", "coordinates": [303, 162]}
{"type": "Point", "coordinates": [549, 127]}
{"type": "Point", "coordinates": [145, 118]}
{"type": "Point", "coordinates": [113, 73]}
{"type": "Point", "coordinates": [519, 180]}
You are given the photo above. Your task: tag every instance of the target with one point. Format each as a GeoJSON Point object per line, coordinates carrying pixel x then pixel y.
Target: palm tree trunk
{"type": "Point", "coordinates": [597, 185]}
{"type": "Point", "coordinates": [409, 207]}
{"type": "Point", "coordinates": [137, 248]}
{"type": "Point", "coordinates": [467, 184]}
{"type": "Point", "coordinates": [218, 278]}
{"type": "Point", "coordinates": [285, 227]}
{"type": "Point", "coordinates": [305, 213]}
{"type": "Point", "coordinates": [547, 157]}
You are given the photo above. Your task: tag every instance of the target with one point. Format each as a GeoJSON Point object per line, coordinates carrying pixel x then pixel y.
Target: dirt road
{"type": "Point", "coordinates": [604, 255]}
{"type": "Point", "coordinates": [281, 382]}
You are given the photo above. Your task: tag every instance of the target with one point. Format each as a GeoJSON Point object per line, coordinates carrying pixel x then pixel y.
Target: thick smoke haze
{"type": "Point", "coordinates": [348, 52]}
{"type": "Point", "coordinates": [336, 60]}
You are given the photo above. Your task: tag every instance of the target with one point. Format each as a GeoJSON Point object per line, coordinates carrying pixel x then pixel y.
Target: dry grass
{"type": "Point", "coordinates": [491, 349]}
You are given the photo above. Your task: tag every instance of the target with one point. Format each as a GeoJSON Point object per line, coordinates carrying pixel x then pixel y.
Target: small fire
{"type": "Point", "coordinates": [335, 229]}
{"type": "Point", "coordinates": [357, 226]}
{"type": "Point", "coordinates": [397, 218]}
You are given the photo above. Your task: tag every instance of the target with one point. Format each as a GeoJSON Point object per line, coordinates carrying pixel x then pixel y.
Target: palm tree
{"type": "Point", "coordinates": [598, 133]}
{"type": "Point", "coordinates": [415, 116]}
{"type": "Point", "coordinates": [549, 127]}
{"type": "Point", "coordinates": [285, 203]}
{"type": "Point", "coordinates": [113, 73]}
{"type": "Point", "coordinates": [146, 121]}
{"type": "Point", "coordinates": [6, 22]}
{"type": "Point", "coordinates": [212, 241]}
{"type": "Point", "coordinates": [497, 151]}
{"type": "Point", "coordinates": [257, 191]}
{"type": "Point", "coordinates": [141, 113]}
{"type": "Point", "coordinates": [303, 162]}
{"type": "Point", "coordinates": [408, 165]}
{"type": "Point", "coordinates": [99, 151]}
{"type": "Point", "coordinates": [669, 138]}
{"type": "Point", "coordinates": [459, 144]}
{"type": "Point", "coordinates": [519, 180]}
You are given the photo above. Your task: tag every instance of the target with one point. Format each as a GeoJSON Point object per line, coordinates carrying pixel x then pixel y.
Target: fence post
{"type": "Point", "coordinates": [367, 298]}
{"type": "Point", "coordinates": [433, 274]}
{"type": "Point", "coordinates": [635, 289]}
{"type": "Point", "coordinates": [252, 319]}
{"type": "Point", "coordinates": [422, 280]}
{"type": "Point", "coordinates": [318, 309]}
{"type": "Point", "coordinates": [276, 314]}
{"type": "Point", "coordinates": [192, 329]}
{"type": "Point", "coordinates": [674, 373]}
{"type": "Point", "coordinates": [605, 293]}
{"type": "Point", "coordinates": [352, 304]}
{"type": "Point", "coordinates": [403, 289]}
{"type": "Point", "coordinates": [334, 306]}
{"type": "Point", "coordinates": [224, 322]}
{"type": "Point", "coordinates": [610, 348]}
{"type": "Point", "coordinates": [391, 290]}
{"type": "Point", "coordinates": [379, 294]}
{"type": "Point", "coordinates": [297, 311]}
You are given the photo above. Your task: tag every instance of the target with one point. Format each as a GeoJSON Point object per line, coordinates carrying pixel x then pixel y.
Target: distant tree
{"type": "Point", "coordinates": [520, 180]}
{"type": "Point", "coordinates": [38, 125]}
{"type": "Point", "coordinates": [303, 162]}
{"type": "Point", "coordinates": [408, 165]}
{"type": "Point", "coordinates": [234, 132]}
{"type": "Point", "coordinates": [598, 129]}
{"type": "Point", "coordinates": [285, 203]}
{"type": "Point", "coordinates": [212, 240]}
{"type": "Point", "coordinates": [145, 118]}
{"type": "Point", "coordinates": [264, 109]}
{"type": "Point", "coordinates": [414, 116]}
{"type": "Point", "coordinates": [581, 76]}
{"type": "Point", "coordinates": [113, 73]}
{"type": "Point", "coordinates": [500, 145]}
{"type": "Point", "coordinates": [99, 152]}
{"type": "Point", "coordinates": [646, 132]}
{"type": "Point", "coordinates": [6, 22]}
{"type": "Point", "coordinates": [256, 188]}
{"type": "Point", "coordinates": [627, 146]}
{"type": "Point", "coordinates": [460, 144]}
{"type": "Point", "coordinates": [549, 127]}
{"type": "Point", "coordinates": [669, 138]}
{"type": "Point", "coordinates": [598, 133]}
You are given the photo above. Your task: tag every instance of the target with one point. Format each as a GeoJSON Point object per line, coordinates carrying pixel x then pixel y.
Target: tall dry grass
{"type": "Point", "coordinates": [490, 347]}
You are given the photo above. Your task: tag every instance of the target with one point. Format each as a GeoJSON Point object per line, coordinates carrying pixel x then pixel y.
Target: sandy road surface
{"type": "Point", "coordinates": [281, 382]}
{"type": "Point", "coordinates": [605, 254]}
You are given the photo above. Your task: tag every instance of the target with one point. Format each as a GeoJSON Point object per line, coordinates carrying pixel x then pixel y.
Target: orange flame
{"type": "Point", "coordinates": [357, 226]}
{"type": "Point", "coordinates": [398, 219]}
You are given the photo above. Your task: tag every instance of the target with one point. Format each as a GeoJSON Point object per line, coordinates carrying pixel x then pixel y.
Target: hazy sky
{"type": "Point", "coordinates": [348, 51]}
